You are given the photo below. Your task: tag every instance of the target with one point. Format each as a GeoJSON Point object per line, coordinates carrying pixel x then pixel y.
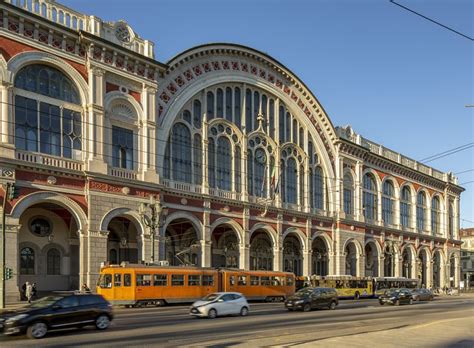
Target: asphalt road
{"type": "Point", "coordinates": [268, 324]}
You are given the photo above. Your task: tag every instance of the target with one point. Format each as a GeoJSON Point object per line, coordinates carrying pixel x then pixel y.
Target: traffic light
{"type": "Point", "coordinates": [14, 192]}
{"type": "Point", "coordinates": [8, 273]}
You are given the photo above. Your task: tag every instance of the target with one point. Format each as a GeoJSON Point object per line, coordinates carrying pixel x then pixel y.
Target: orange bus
{"type": "Point", "coordinates": [139, 285]}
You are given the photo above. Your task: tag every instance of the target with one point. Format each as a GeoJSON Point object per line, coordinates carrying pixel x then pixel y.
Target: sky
{"type": "Point", "coordinates": [396, 78]}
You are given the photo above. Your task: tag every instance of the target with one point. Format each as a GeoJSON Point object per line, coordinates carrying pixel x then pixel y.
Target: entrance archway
{"type": "Point", "coordinates": [225, 247]}
{"type": "Point", "coordinates": [352, 258]}
{"type": "Point", "coordinates": [123, 241]}
{"type": "Point", "coordinates": [182, 245]}
{"type": "Point", "coordinates": [423, 260]}
{"type": "Point", "coordinates": [261, 251]}
{"type": "Point", "coordinates": [319, 257]}
{"type": "Point", "coordinates": [292, 256]}
{"type": "Point", "coordinates": [371, 260]}
{"type": "Point", "coordinates": [407, 263]}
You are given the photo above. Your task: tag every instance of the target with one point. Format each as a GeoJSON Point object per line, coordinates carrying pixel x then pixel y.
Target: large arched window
{"type": "Point", "coordinates": [27, 261]}
{"type": "Point", "coordinates": [405, 207]}
{"type": "Point", "coordinates": [435, 215]}
{"type": "Point", "coordinates": [348, 194]}
{"type": "Point", "coordinates": [291, 181]}
{"type": "Point", "coordinates": [259, 159]}
{"type": "Point", "coordinates": [369, 197]}
{"type": "Point", "coordinates": [53, 264]}
{"type": "Point", "coordinates": [49, 120]}
{"type": "Point", "coordinates": [181, 153]}
{"type": "Point", "coordinates": [318, 198]}
{"type": "Point", "coordinates": [388, 202]}
{"type": "Point", "coordinates": [224, 164]}
{"type": "Point", "coordinates": [421, 211]}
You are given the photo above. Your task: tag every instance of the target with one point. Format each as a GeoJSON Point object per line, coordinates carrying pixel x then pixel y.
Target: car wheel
{"type": "Point", "coordinates": [381, 303]}
{"type": "Point", "coordinates": [411, 301]}
{"type": "Point", "coordinates": [307, 307]}
{"type": "Point", "coordinates": [290, 309]}
{"type": "Point", "coordinates": [37, 330]}
{"type": "Point", "coordinates": [431, 298]}
{"type": "Point", "coordinates": [332, 305]}
{"type": "Point", "coordinates": [212, 314]}
{"type": "Point", "coordinates": [102, 322]}
{"type": "Point", "coordinates": [244, 311]}
{"type": "Point", "coordinates": [397, 303]}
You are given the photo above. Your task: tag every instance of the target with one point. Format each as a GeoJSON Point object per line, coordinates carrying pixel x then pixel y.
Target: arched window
{"type": "Point", "coordinates": [318, 198]}
{"type": "Point", "coordinates": [369, 197]}
{"type": "Point", "coordinates": [420, 211]}
{"type": "Point", "coordinates": [451, 220]}
{"type": "Point", "coordinates": [53, 262]}
{"type": "Point", "coordinates": [435, 215]}
{"type": "Point", "coordinates": [53, 127]}
{"type": "Point", "coordinates": [348, 194]}
{"type": "Point", "coordinates": [197, 159]}
{"type": "Point", "coordinates": [405, 207]}
{"type": "Point", "coordinates": [224, 164]}
{"type": "Point", "coordinates": [264, 107]}
{"type": "Point", "coordinates": [237, 111]}
{"type": "Point", "coordinates": [288, 127]}
{"type": "Point", "coordinates": [237, 159]}
{"type": "Point", "coordinates": [271, 119]}
{"type": "Point", "coordinates": [388, 202]}
{"type": "Point", "coordinates": [250, 182]}
{"type": "Point", "coordinates": [228, 104]}
{"type": "Point", "coordinates": [256, 108]}
{"type": "Point", "coordinates": [122, 148]}
{"type": "Point", "coordinates": [291, 181]}
{"type": "Point", "coordinates": [27, 261]}
{"type": "Point", "coordinates": [211, 155]}
{"type": "Point", "coordinates": [295, 132]}
{"type": "Point", "coordinates": [181, 153]}
{"type": "Point", "coordinates": [281, 124]}
{"type": "Point", "coordinates": [220, 103]}
{"type": "Point", "coordinates": [260, 179]}
{"type": "Point", "coordinates": [210, 105]}
{"type": "Point", "coordinates": [248, 111]}
{"type": "Point", "coordinates": [187, 116]}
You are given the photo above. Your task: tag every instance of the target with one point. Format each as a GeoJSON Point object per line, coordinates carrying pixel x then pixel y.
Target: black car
{"type": "Point", "coordinates": [396, 297]}
{"type": "Point", "coordinates": [308, 298]}
{"type": "Point", "coordinates": [58, 312]}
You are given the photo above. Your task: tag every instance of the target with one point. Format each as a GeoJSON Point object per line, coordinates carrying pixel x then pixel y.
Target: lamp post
{"type": "Point", "coordinates": [151, 214]}
{"type": "Point", "coordinates": [390, 249]}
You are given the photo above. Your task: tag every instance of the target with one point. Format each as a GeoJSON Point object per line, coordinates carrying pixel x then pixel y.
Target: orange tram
{"type": "Point", "coordinates": [140, 285]}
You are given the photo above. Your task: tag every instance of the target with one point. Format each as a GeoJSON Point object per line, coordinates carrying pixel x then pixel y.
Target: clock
{"type": "Point", "coordinates": [122, 33]}
{"type": "Point", "coordinates": [260, 156]}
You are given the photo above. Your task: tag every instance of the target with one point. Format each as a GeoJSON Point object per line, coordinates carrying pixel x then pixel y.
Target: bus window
{"type": "Point", "coordinates": [232, 280]}
{"type": "Point", "coordinates": [207, 280]}
{"type": "Point", "coordinates": [254, 280]}
{"type": "Point", "coordinates": [289, 281]}
{"type": "Point", "coordinates": [339, 284]}
{"type": "Point", "coordinates": [177, 279]}
{"type": "Point", "coordinates": [105, 281]}
{"type": "Point", "coordinates": [194, 280]}
{"type": "Point", "coordinates": [242, 280]}
{"type": "Point", "coordinates": [160, 280]}
{"type": "Point", "coordinates": [143, 279]}
{"type": "Point", "coordinates": [117, 279]}
{"type": "Point", "coordinates": [265, 281]}
{"type": "Point", "coordinates": [127, 279]}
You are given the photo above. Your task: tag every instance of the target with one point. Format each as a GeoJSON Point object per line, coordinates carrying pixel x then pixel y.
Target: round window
{"type": "Point", "coordinates": [122, 32]}
{"type": "Point", "coordinates": [40, 227]}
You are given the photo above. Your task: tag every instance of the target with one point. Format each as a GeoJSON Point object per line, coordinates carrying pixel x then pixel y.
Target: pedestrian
{"type": "Point", "coordinates": [85, 288]}
{"type": "Point", "coordinates": [23, 291]}
{"type": "Point", "coordinates": [29, 291]}
{"type": "Point", "coordinates": [34, 292]}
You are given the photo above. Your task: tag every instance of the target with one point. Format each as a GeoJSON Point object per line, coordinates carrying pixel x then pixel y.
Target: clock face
{"type": "Point", "coordinates": [123, 33]}
{"type": "Point", "coordinates": [260, 156]}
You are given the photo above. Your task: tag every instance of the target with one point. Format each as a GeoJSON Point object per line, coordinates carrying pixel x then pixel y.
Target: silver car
{"type": "Point", "coordinates": [220, 303]}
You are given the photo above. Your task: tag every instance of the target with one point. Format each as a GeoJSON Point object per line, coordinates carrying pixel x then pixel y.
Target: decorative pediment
{"type": "Point", "coordinates": [122, 111]}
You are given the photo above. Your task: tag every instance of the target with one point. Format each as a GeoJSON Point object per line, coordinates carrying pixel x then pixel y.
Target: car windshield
{"type": "Point", "coordinates": [45, 302]}
{"type": "Point", "coordinates": [304, 292]}
{"type": "Point", "coordinates": [211, 297]}
{"type": "Point", "coordinates": [393, 292]}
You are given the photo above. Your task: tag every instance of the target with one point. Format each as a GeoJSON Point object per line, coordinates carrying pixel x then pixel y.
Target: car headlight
{"type": "Point", "coordinates": [17, 317]}
{"type": "Point", "coordinates": [299, 302]}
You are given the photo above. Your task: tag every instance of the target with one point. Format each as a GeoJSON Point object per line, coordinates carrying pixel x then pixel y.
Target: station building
{"type": "Point", "coordinates": [249, 165]}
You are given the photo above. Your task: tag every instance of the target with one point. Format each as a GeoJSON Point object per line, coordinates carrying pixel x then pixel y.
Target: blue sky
{"type": "Point", "coordinates": [398, 79]}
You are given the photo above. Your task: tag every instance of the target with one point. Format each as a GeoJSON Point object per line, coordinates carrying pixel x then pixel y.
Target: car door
{"type": "Point", "coordinates": [64, 312]}
{"type": "Point", "coordinates": [229, 304]}
{"type": "Point", "coordinates": [316, 298]}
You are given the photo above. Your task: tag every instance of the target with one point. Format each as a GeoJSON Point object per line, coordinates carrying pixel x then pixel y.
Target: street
{"type": "Point", "coordinates": [447, 321]}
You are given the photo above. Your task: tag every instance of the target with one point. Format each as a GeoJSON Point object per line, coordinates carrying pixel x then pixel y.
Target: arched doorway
{"type": "Point", "coordinates": [351, 259]}
{"type": "Point", "coordinates": [225, 247]}
{"type": "Point", "coordinates": [261, 251]}
{"type": "Point", "coordinates": [123, 242]}
{"type": "Point", "coordinates": [292, 256]}
{"type": "Point", "coordinates": [371, 260]}
{"type": "Point", "coordinates": [319, 257]}
{"type": "Point", "coordinates": [422, 267]}
{"type": "Point", "coordinates": [437, 272]}
{"type": "Point", "coordinates": [407, 263]}
{"type": "Point", "coordinates": [48, 248]}
{"type": "Point", "coordinates": [182, 245]}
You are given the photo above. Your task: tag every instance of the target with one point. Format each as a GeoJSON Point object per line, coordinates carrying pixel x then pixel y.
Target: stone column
{"type": "Point", "coordinates": [245, 245]}
{"type": "Point", "coordinates": [382, 265]}
{"type": "Point", "coordinates": [206, 242]}
{"type": "Point", "coordinates": [148, 145]}
{"type": "Point", "coordinates": [361, 265]}
{"type": "Point", "coordinates": [358, 207]}
{"type": "Point", "coordinates": [97, 252]}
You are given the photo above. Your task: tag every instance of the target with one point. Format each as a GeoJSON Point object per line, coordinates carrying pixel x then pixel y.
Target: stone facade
{"type": "Point", "coordinates": [252, 170]}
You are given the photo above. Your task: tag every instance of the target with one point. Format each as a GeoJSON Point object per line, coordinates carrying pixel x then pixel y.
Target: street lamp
{"type": "Point", "coordinates": [392, 246]}
{"type": "Point", "coordinates": [151, 214]}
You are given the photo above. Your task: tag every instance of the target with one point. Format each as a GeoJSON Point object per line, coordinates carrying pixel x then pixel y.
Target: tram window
{"type": "Point", "coordinates": [117, 279]}
{"type": "Point", "coordinates": [106, 281]}
{"type": "Point", "coordinates": [254, 280]}
{"type": "Point", "coordinates": [208, 280]}
{"type": "Point", "coordinates": [265, 281]}
{"type": "Point", "coordinates": [177, 279]}
{"type": "Point", "coordinates": [289, 281]}
{"type": "Point", "coordinates": [232, 280]}
{"type": "Point", "coordinates": [276, 281]}
{"type": "Point", "coordinates": [242, 280]}
{"type": "Point", "coordinates": [160, 280]}
{"type": "Point", "coordinates": [143, 279]}
{"type": "Point", "coordinates": [127, 279]}
{"type": "Point", "coordinates": [194, 280]}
